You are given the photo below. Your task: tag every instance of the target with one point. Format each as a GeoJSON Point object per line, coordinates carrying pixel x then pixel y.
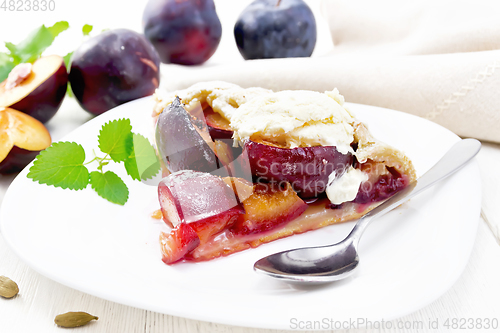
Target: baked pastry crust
{"type": "Point", "coordinates": [371, 149]}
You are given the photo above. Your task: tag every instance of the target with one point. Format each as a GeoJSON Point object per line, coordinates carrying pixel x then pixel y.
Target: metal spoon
{"type": "Point", "coordinates": [335, 262]}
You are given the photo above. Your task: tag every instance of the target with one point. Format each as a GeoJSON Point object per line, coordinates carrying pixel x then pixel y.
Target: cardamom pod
{"type": "Point", "coordinates": [74, 319]}
{"type": "Point", "coordinates": [8, 288]}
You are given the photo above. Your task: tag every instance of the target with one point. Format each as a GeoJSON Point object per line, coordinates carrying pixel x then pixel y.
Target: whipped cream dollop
{"type": "Point", "coordinates": [346, 187]}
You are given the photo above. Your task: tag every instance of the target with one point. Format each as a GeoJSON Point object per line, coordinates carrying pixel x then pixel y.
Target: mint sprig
{"type": "Point", "coordinates": [63, 163]}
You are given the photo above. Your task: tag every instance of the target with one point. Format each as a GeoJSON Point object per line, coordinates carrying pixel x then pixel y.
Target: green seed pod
{"type": "Point", "coordinates": [74, 319]}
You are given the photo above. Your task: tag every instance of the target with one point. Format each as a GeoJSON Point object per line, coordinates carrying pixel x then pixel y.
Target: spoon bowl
{"type": "Point", "coordinates": [313, 265]}
{"type": "Point", "coordinates": [317, 264]}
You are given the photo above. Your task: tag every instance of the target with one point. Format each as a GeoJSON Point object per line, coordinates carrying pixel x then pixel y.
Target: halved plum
{"type": "Point", "coordinates": [36, 90]}
{"type": "Point", "coordinates": [306, 168]}
{"type": "Point", "coordinates": [22, 137]}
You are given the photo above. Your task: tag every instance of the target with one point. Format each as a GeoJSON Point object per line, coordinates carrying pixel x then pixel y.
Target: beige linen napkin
{"type": "Point", "coordinates": [435, 59]}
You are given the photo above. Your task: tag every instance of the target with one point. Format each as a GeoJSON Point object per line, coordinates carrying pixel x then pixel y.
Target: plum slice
{"type": "Point", "coordinates": [181, 144]}
{"type": "Point", "coordinates": [22, 137]}
{"type": "Point", "coordinates": [36, 90]}
{"type": "Point", "coordinates": [202, 208]}
{"type": "Point", "coordinates": [383, 182]}
{"type": "Point", "coordinates": [190, 196]}
{"type": "Point", "coordinates": [267, 212]}
{"type": "Point", "coordinates": [218, 126]}
{"type": "Point", "coordinates": [269, 207]}
{"type": "Point", "coordinates": [202, 201]}
{"type": "Point", "coordinates": [181, 240]}
{"type": "Point", "coordinates": [221, 133]}
{"type": "Point", "coordinates": [306, 168]}
{"type": "Point", "coordinates": [184, 142]}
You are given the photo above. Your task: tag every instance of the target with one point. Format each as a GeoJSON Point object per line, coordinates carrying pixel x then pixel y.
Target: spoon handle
{"type": "Point", "coordinates": [458, 155]}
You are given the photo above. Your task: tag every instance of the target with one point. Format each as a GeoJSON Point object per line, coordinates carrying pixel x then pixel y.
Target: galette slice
{"type": "Point", "coordinates": [296, 161]}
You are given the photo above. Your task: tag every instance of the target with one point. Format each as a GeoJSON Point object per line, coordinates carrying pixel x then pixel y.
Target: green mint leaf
{"type": "Point", "coordinates": [115, 139]}
{"type": "Point", "coordinates": [37, 41]}
{"type": "Point", "coordinates": [67, 60]}
{"type": "Point", "coordinates": [67, 63]}
{"type": "Point", "coordinates": [61, 165]}
{"type": "Point", "coordinates": [142, 162]}
{"type": "Point", "coordinates": [69, 92]}
{"type": "Point", "coordinates": [16, 60]}
{"type": "Point", "coordinates": [109, 186]}
{"type": "Point", "coordinates": [57, 28]}
{"type": "Point", "coordinates": [86, 29]}
{"type": "Point", "coordinates": [6, 65]}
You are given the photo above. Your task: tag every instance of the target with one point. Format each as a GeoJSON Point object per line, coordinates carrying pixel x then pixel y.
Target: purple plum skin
{"type": "Point", "coordinates": [183, 32]}
{"type": "Point", "coordinates": [180, 145]}
{"type": "Point", "coordinates": [113, 68]}
{"type": "Point", "coordinates": [197, 196]}
{"type": "Point", "coordinates": [16, 160]}
{"type": "Point", "coordinates": [267, 30]}
{"type": "Point", "coordinates": [219, 133]}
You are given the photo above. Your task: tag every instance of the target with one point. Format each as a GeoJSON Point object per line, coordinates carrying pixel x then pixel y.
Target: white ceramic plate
{"type": "Point", "coordinates": [409, 257]}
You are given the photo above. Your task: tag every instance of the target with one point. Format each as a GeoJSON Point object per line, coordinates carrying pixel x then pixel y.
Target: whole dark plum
{"type": "Point", "coordinates": [185, 32]}
{"type": "Point", "coordinates": [112, 68]}
{"type": "Point", "coordinates": [275, 29]}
